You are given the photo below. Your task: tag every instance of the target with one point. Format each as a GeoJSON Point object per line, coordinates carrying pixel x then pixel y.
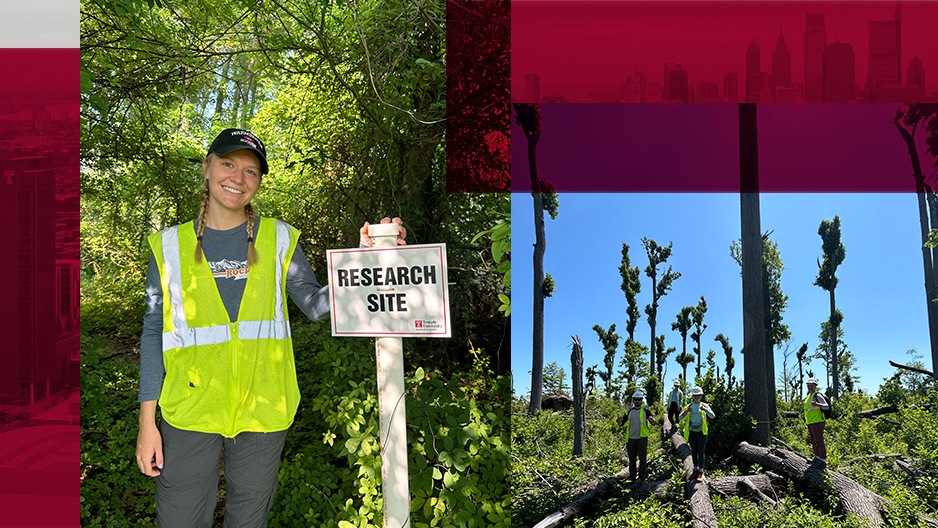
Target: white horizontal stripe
{"type": "Point", "coordinates": [207, 335]}
{"type": "Point", "coordinates": [264, 330]}
{"type": "Point", "coordinates": [213, 335]}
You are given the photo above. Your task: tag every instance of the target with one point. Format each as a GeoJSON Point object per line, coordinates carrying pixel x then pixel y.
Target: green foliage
{"type": "Point", "coordinates": [646, 514]}
{"type": "Point", "coordinates": [458, 441]}
{"type": "Point", "coordinates": [501, 255]}
{"type": "Point", "coordinates": [634, 364]}
{"type": "Point", "coordinates": [548, 287]}
{"type": "Point", "coordinates": [610, 341]}
{"type": "Point", "coordinates": [776, 301]}
{"type": "Point", "coordinates": [631, 286]}
{"type": "Point", "coordinates": [114, 493]}
{"type": "Point", "coordinates": [555, 379]}
{"type": "Point", "coordinates": [735, 512]}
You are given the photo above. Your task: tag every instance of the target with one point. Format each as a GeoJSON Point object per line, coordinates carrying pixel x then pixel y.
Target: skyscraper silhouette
{"type": "Point", "coordinates": [884, 57]}
{"type": "Point", "coordinates": [781, 61]}
{"type": "Point", "coordinates": [915, 74]}
{"type": "Point", "coordinates": [839, 73]}
{"type": "Point", "coordinates": [29, 368]}
{"type": "Point", "coordinates": [532, 88]}
{"type": "Point", "coordinates": [731, 87]}
{"type": "Point", "coordinates": [815, 38]}
{"type": "Point", "coordinates": [753, 67]}
{"type": "Point", "coordinates": [666, 83]}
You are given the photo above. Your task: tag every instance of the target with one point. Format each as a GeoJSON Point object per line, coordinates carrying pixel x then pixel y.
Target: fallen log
{"type": "Point", "coordinates": [791, 414]}
{"type": "Point", "coordinates": [588, 495]}
{"type": "Point", "coordinates": [747, 483]}
{"type": "Point", "coordinates": [852, 497]}
{"type": "Point", "coordinates": [870, 413]}
{"type": "Point", "coordinates": [765, 483]}
{"type": "Point", "coordinates": [874, 457]}
{"type": "Point", "coordinates": [724, 486]}
{"type": "Point", "coordinates": [697, 492]}
{"type": "Point", "coordinates": [779, 441]}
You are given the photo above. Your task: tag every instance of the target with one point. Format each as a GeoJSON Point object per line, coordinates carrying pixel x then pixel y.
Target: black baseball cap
{"type": "Point", "coordinates": [232, 139]}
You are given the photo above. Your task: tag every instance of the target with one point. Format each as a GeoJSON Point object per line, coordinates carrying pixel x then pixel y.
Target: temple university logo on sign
{"type": "Point", "coordinates": [391, 291]}
{"type": "Point", "coordinates": [9, 176]}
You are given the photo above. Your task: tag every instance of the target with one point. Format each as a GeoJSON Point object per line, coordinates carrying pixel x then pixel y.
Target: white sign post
{"type": "Point", "coordinates": [389, 291]}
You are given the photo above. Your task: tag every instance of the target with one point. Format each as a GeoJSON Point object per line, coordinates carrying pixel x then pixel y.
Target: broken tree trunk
{"type": "Point", "coordinates": [765, 483]}
{"type": "Point", "coordinates": [870, 413]}
{"type": "Point", "coordinates": [913, 369]}
{"type": "Point", "coordinates": [697, 493]}
{"type": "Point", "coordinates": [852, 497]}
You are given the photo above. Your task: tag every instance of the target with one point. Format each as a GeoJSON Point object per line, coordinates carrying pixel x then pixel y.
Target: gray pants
{"type": "Point", "coordinates": [187, 487]}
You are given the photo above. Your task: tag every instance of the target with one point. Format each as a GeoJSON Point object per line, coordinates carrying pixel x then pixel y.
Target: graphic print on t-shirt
{"type": "Point", "coordinates": [229, 269]}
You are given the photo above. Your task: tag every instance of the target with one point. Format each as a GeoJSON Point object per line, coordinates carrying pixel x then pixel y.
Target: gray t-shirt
{"type": "Point", "coordinates": [226, 252]}
{"type": "Point", "coordinates": [635, 425]}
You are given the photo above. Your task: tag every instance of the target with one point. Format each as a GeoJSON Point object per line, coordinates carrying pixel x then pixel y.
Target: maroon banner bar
{"type": "Point", "coordinates": [695, 148]}
{"type": "Point", "coordinates": [724, 51]}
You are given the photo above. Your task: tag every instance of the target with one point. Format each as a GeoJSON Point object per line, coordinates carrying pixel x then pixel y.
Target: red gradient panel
{"type": "Point", "coordinates": [695, 148]}
{"type": "Point", "coordinates": [613, 51]}
{"type": "Point", "coordinates": [478, 61]}
{"type": "Point", "coordinates": [39, 343]}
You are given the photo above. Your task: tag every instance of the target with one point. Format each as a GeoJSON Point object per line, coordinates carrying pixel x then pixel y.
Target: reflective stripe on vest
{"type": "Point", "coordinates": [813, 415]}
{"type": "Point", "coordinates": [181, 336]}
{"type": "Point", "coordinates": [703, 427]}
{"type": "Point", "coordinates": [221, 376]}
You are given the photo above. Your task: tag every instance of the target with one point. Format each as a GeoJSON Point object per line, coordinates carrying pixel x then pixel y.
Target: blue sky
{"type": "Point", "coordinates": [881, 290]}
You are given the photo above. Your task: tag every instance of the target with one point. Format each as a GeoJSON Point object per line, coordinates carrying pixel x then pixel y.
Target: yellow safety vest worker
{"type": "Point", "coordinates": [643, 432]}
{"type": "Point", "coordinates": [221, 376]}
{"type": "Point", "coordinates": [813, 415]}
{"type": "Point", "coordinates": [686, 420]}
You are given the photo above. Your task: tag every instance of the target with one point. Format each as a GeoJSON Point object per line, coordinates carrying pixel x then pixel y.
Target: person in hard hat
{"type": "Point", "coordinates": [675, 402]}
{"type": "Point", "coordinates": [638, 417]}
{"type": "Point", "coordinates": [230, 376]}
{"type": "Point", "coordinates": [814, 406]}
{"type": "Point", "coordinates": [695, 416]}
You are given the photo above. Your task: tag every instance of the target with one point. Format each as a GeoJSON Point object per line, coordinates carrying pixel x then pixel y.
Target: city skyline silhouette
{"type": "Point", "coordinates": [586, 50]}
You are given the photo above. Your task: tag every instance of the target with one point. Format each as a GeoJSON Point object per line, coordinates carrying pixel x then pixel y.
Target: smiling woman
{"type": "Point", "coordinates": [202, 337]}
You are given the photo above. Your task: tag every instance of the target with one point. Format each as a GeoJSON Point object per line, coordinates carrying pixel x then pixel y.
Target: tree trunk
{"type": "Point", "coordinates": [852, 497]}
{"type": "Point", "coordinates": [755, 358]}
{"type": "Point", "coordinates": [540, 246]}
{"type": "Point", "coordinates": [913, 369]}
{"type": "Point", "coordinates": [697, 492]}
{"type": "Point", "coordinates": [836, 359]}
{"type": "Point", "coordinates": [579, 416]}
{"type": "Point", "coordinates": [766, 483]}
{"type": "Point", "coordinates": [930, 293]}
{"type": "Point", "coordinates": [870, 413]}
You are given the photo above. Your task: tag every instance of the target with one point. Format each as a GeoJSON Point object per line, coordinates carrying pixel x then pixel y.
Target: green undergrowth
{"type": "Point", "coordinates": [546, 477]}
{"type": "Point", "coordinates": [330, 475]}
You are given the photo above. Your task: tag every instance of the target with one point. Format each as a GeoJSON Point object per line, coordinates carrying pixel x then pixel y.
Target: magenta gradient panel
{"type": "Point", "coordinates": [39, 182]}
{"type": "Point", "coordinates": [695, 148]}
{"type": "Point", "coordinates": [584, 50]}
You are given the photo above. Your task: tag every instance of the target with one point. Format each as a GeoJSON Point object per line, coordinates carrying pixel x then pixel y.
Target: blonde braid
{"type": "Point", "coordinates": [203, 212]}
{"type": "Point", "coordinates": [252, 251]}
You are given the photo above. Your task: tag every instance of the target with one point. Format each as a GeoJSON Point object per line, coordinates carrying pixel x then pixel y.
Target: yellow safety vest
{"type": "Point", "coordinates": [686, 420]}
{"type": "Point", "coordinates": [221, 376]}
{"type": "Point", "coordinates": [643, 432]}
{"type": "Point", "coordinates": [814, 415]}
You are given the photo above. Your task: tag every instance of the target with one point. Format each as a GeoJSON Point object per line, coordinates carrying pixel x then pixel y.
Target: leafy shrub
{"type": "Point", "coordinates": [330, 476]}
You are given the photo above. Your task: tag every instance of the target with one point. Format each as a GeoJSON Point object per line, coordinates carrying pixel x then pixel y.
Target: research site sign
{"type": "Point", "coordinates": [396, 291]}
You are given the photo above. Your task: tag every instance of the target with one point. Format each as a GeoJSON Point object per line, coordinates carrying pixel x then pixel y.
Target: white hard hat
{"type": "Point", "coordinates": [696, 391]}
{"type": "Point", "coordinates": [638, 394]}
{"type": "Point", "coordinates": [677, 383]}
{"type": "Point", "coordinates": [812, 380]}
